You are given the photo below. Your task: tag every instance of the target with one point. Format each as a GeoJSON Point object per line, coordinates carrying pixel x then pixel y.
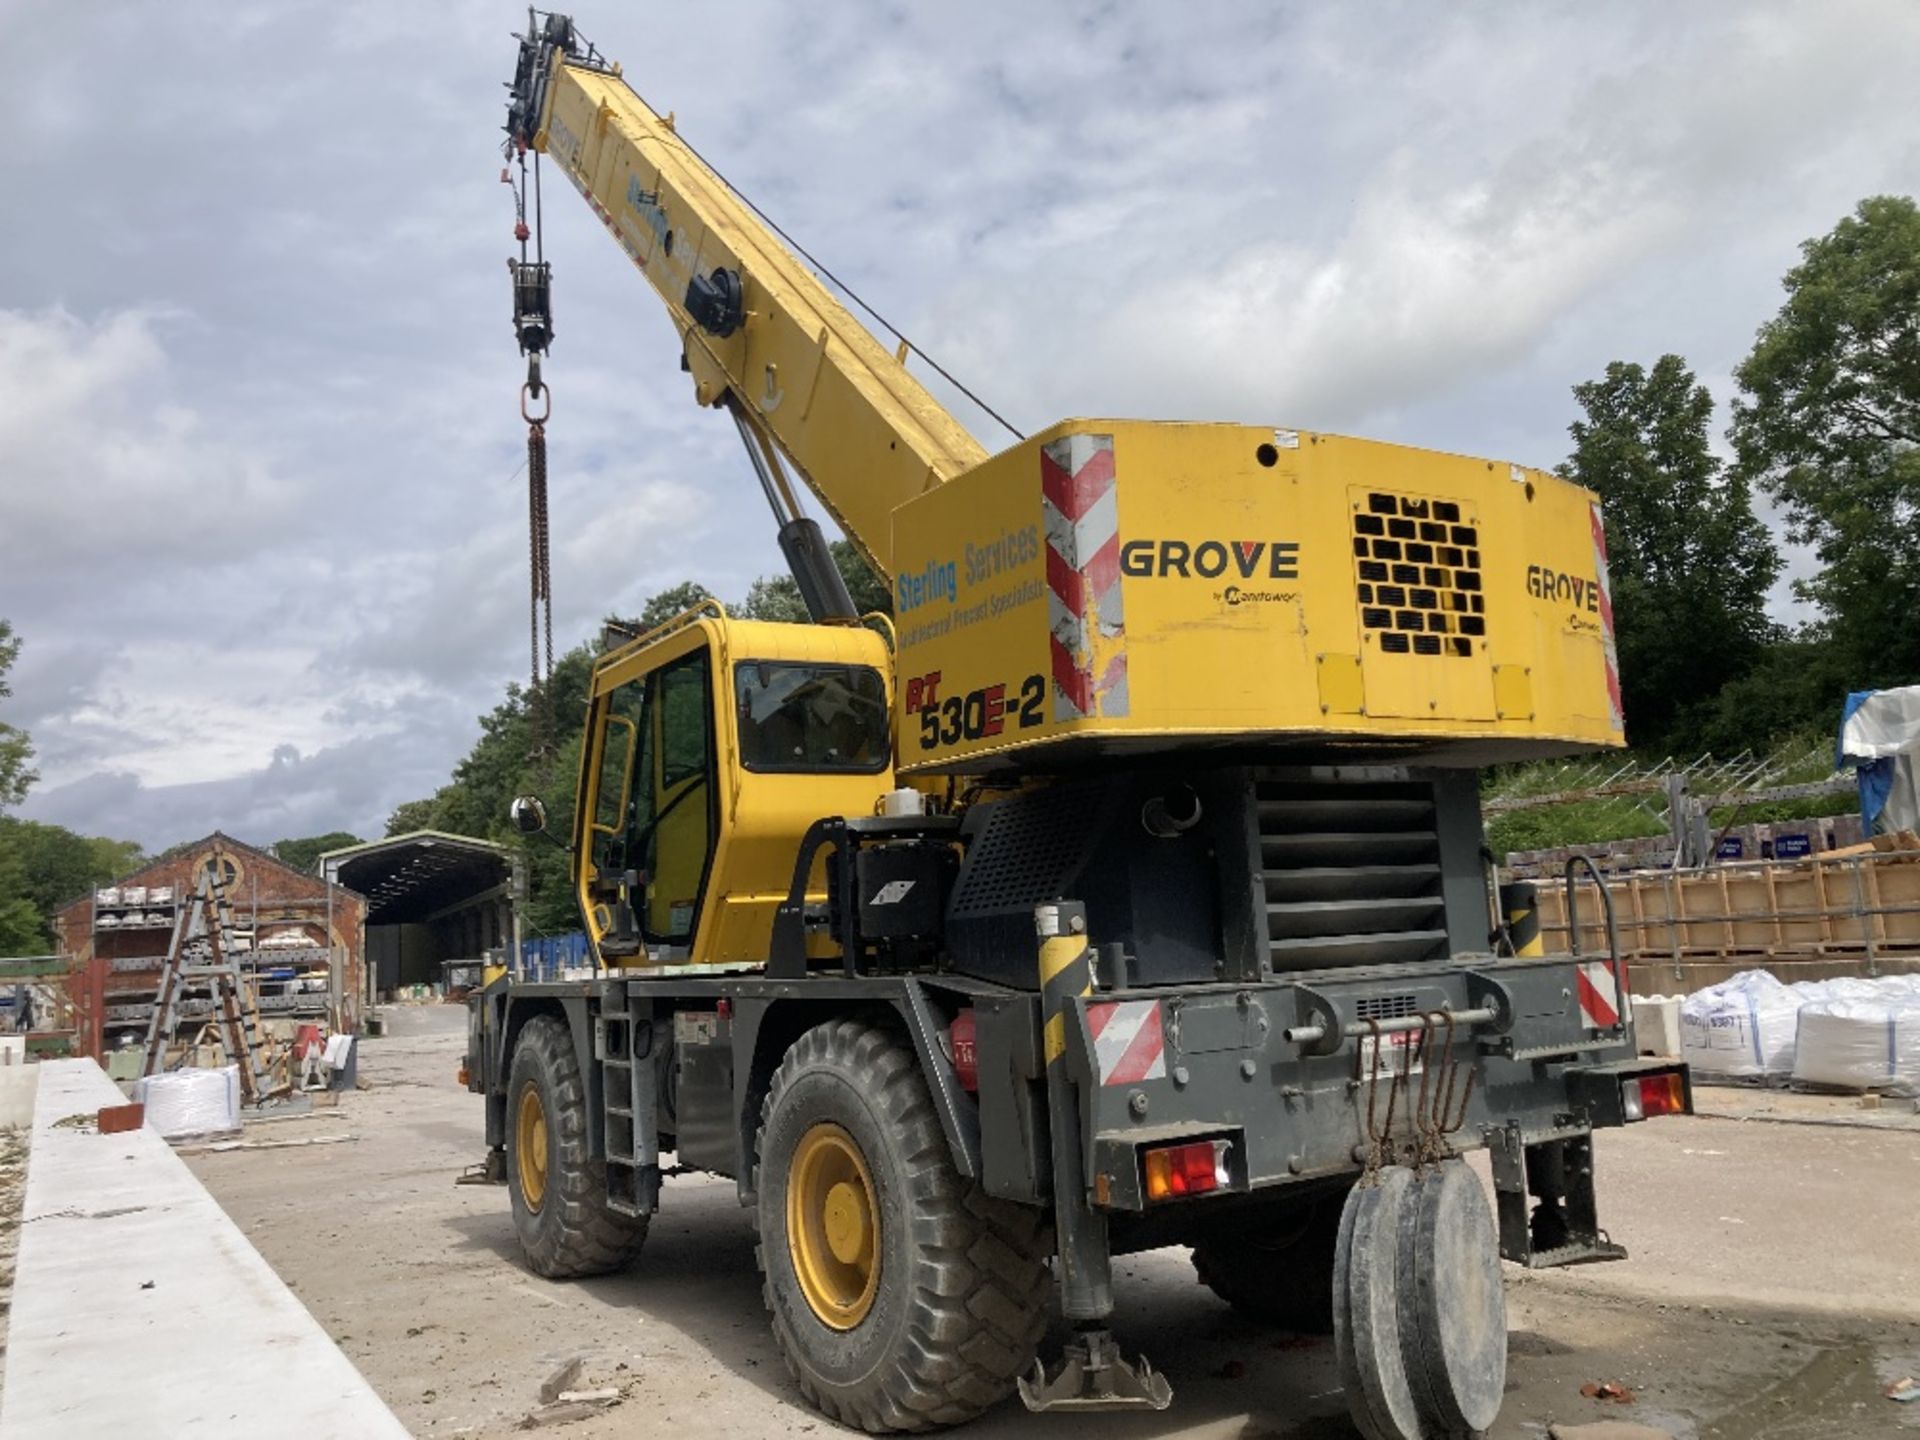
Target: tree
{"type": "Point", "coordinates": [1690, 563]}
{"type": "Point", "coordinates": [869, 591]}
{"type": "Point", "coordinates": [1796, 686]}
{"type": "Point", "coordinates": [44, 866]}
{"type": "Point", "coordinates": [1829, 424]}
{"type": "Point", "coordinates": [15, 748]}
{"type": "Point", "coordinates": [668, 603]}
{"type": "Point", "coordinates": [22, 929]}
{"type": "Point", "coordinates": [502, 765]}
{"type": "Point", "coordinates": [411, 815]}
{"type": "Point", "coordinates": [777, 597]}
{"type": "Point", "coordinates": [773, 597]}
{"type": "Point", "coordinates": [302, 854]}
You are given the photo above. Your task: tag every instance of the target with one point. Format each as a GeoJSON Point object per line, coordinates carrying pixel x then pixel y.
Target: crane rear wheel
{"type": "Point", "coordinates": [903, 1297]}
{"type": "Point", "coordinates": [1276, 1269]}
{"type": "Point", "coordinates": [560, 1213]}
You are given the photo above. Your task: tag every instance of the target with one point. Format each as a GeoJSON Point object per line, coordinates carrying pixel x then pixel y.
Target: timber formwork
{"type": "Point", "coordinates": [1837, 914]}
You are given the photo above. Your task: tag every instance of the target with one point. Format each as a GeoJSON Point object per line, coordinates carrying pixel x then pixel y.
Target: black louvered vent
{"type": "Point", "coordinates": [1351, 873]}
{"type": "Point", "coordinates": [1416, 566]}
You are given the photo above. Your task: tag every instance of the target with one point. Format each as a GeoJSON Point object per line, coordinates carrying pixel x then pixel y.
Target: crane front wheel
{"type": "Point", "coordinates": [560, 1212]}
{"type": "Point", "coordinates": [903, 1297]}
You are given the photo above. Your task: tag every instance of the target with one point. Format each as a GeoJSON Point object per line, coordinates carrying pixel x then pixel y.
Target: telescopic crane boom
{"type": "Point", "coordinates": [762, 336]}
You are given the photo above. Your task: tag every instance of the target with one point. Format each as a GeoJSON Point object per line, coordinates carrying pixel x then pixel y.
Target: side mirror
{"type": "Point", "coordinates": [529, 816]}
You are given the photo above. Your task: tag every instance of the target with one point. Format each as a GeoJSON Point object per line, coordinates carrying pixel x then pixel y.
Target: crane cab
{"type": "Point", "coordinates": [711, 745]}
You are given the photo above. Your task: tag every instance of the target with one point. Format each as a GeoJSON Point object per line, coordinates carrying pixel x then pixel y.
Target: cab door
{"type": "Point", "coordinates": [649, 807]}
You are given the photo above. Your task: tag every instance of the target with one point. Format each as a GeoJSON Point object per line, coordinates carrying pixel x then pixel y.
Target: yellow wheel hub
{"type": "Point", "coordinates": [833, 1231]}
{"type": "Point", "coordinates": [530, 1148]}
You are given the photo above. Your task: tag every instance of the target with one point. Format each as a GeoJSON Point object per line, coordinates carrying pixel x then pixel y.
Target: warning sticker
{"type": "Point", "coordinates": [1399, 1053]}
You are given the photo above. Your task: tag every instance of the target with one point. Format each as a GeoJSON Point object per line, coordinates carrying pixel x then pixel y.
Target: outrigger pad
{"type": "Point", "coordinates": [490, 1171]}
{"type": "Point", "coordinates": [1366, 1299]}
{"type": "Point", "coordinates": [1453, 1308]}
{"type": "Point", "coordinates": [1093, 1376]}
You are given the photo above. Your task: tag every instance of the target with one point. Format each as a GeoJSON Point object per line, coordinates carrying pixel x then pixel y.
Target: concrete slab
{"type": "Point", "coordinates": [139, 1308]}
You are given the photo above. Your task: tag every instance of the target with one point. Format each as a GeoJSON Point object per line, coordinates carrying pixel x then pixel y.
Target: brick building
{"type": "Point", "coordinates": [303, 939]}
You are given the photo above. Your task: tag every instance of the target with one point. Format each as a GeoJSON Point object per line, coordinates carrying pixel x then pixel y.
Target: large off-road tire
{"type": "Point", "coordinates": [559, 1191]}
{"type": "Point", "coordinates": [1277, 1272]}
{"type": "Point", "coordinates": [903, 1297]}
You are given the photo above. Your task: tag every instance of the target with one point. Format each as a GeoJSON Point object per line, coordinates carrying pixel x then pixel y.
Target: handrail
{"type": "Point", "coordinates": [1614, 962]}
{"type": "Point", "coordinates": [709, 606]}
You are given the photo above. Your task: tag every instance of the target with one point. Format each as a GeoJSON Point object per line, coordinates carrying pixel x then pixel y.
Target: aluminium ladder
{"type": "Point", "coordinates": [204, 952]}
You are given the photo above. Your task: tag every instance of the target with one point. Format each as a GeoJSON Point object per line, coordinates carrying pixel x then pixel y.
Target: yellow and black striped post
{"type": "Point", "coordinates": [1066, 974]}
{"type": "Point", "coordinates": [1520, 906]}
{"type": "Point", "coordinates": [1066, 968]}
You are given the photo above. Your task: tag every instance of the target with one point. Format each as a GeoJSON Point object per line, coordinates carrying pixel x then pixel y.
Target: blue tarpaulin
{"type": "Point", "coordinates": [1880, 737]}
{"type": "Point", "coordinates": [545, 956]}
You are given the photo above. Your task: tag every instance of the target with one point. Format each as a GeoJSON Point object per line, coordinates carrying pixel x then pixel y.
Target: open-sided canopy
{"type": "Point", "coordinates": [409, 878]}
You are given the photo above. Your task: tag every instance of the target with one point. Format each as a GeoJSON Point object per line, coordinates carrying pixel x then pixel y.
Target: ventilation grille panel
{"type": "Point", "coordinates": [1417, 575]}
{"type": "Point", "coordinates": [1022, 857]}
{"type": "Point", "coordinates": [1385, 1007]}
{"type": "Point", "coordinates": [1351, 874]}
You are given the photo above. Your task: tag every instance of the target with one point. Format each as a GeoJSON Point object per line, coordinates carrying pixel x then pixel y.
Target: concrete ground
{"type": "Point", "coordinates": [1774, 1288]}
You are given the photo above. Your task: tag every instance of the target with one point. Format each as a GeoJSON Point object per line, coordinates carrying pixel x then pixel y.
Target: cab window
{"type": "Point", "coordinates": [811, 718]}
{"type": "Point", "coordinates": [621, 737]}
{"type": "Point", "coordinates": [670, 830]}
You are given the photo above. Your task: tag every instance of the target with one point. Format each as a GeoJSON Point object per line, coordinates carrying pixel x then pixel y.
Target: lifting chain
{"type": "Point", "coordinates": [1436, 1115]}
{"type": "Point", "coordinates": [533, 328]}
{"type": "Point", "coordinates": [1380, 1132]}
{"type": "Point", "coordinates": [1439, 1109]}
{"type": "Point", "coordinates": [540, 569]}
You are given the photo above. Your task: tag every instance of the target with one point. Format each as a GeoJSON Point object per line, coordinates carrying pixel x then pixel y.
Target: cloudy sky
{"type": "Point", "coordinates": [259, 522]}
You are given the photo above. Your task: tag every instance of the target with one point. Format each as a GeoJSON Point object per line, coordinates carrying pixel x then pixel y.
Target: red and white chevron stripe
{"type": "Point", "coordinates": [1599, 989]}
{"type": "Point", "coordinates": [1129, 1044]}
{"type": "Point", "coordinates": [1080, 513]}
{"type": "Point", "coordinates": [1614, 713]}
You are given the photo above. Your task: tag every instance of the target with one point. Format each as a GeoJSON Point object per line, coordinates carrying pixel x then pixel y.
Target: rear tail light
{"type": "Point", "coordinates": [1645, 1096]}
{"type": "Point", "coordinates": [1663, 1094]}
{"type": "Point", "coordinates": [1193, 1169]}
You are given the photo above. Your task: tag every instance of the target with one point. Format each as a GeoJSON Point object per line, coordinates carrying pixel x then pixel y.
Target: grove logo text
{"type": "Point", "coordinates": [1210, 559]}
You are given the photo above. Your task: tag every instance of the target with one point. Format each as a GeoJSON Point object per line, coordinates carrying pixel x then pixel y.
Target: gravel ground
{"type": "Point", "coordinates": [1774, 1289]}
{"type": "Point", "coordinates": [13, 1194]}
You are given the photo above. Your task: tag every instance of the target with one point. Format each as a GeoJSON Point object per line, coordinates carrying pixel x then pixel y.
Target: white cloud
{"type": "Point", "coordinates": [259, 521]}
{"type": "Point", "coordinates": [102, 450]}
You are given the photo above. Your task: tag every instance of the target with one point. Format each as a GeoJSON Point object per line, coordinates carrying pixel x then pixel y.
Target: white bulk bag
{"type": "Point", "coordinates": [1855, 1044]}
{"type": "Point", "coordinates": [191, 1102]}
{"type": "Point", "coordinates": [1742, 1027]}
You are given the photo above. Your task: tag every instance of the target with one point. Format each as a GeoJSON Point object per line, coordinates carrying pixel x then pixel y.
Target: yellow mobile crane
{"type": "Point", "coordinates": [1131, 892]}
